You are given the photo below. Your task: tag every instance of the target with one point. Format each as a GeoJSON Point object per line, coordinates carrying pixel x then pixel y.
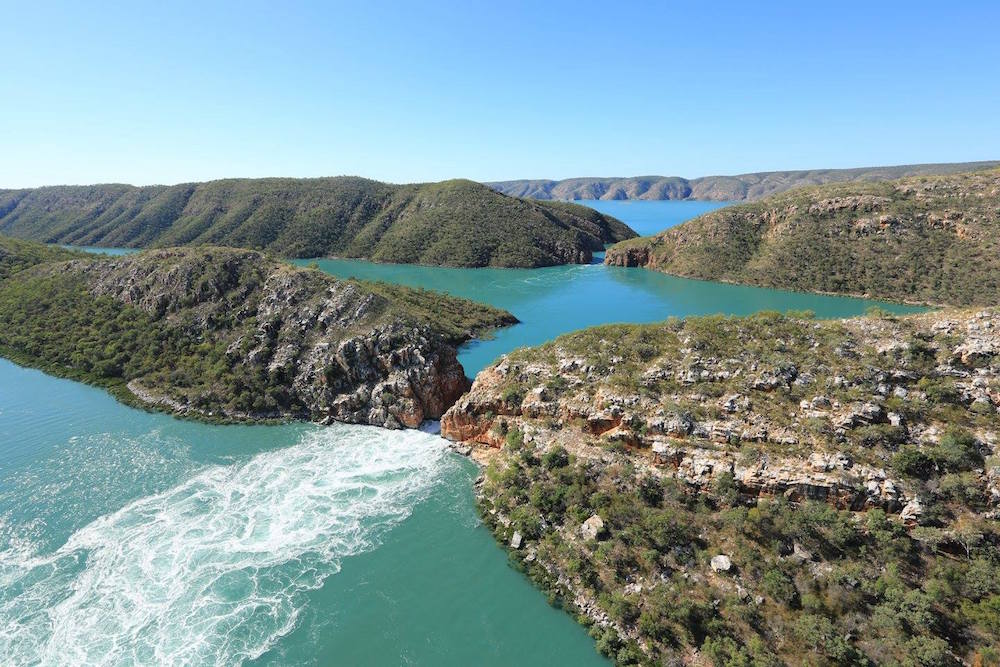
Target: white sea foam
{"type": "Point", "coordinates": [214, 570]}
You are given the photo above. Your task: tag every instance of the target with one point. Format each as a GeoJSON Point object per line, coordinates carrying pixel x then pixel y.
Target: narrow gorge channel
{"type": "Point", "coordinates": [381, 557]}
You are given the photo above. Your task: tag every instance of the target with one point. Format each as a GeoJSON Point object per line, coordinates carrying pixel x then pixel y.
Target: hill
{"type": "Point", "coordinates": [17, 255]}
{"type": "Point", "coordinates": [717, 188]}
{"type": "Point", "coordinates": [227, 334]}
{"type": "Point", "coordinates": [755, 491]}
{"type": "Point", "coordinates": [929, 239]}
{"type": "Point", "coordinates": [453, 223]}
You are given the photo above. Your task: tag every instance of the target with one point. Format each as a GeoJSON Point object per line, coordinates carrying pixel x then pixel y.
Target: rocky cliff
{"type": "Point", "coordinates": [234, 335]}
{"type": "Point", "coordinates": [688, 440]}
{"type": "Point", "coordinates": [933, 239]}
{"type": "Point", "coordinates": [743, 187]}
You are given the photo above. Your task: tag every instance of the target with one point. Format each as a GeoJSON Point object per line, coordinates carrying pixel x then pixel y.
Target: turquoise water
{"type": "Point", "coordinates": [100, 250]}
{"type": "Point", "coordinates": [649, 217]}
{"type": "Point", "coordinates": [555, 300]}
{"type": "Point", "coordinates": [129, 537]}
{"type": "Point", "coordinates": [558, 299]}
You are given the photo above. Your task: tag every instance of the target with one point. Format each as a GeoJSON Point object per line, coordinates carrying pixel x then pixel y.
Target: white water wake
{"type": "Point", "coordinates": [213, 571]}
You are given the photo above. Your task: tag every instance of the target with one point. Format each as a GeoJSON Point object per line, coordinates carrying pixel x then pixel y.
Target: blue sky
{"type": "Point", "coordinates": [175, 91]}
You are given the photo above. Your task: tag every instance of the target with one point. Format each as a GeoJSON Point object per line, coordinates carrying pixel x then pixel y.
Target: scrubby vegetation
{"type": "Point", "coordinates": [453, 223]}
{"type": "Point", "coordinates": [228, 334]}
{"type": "Point", "coordinates": [925, 239]}
{"type": "Point", "coordinates": [17, 255]}
{"type": "Point", "coordinates": [847, 470]}
{"type": "Point", "coordinates": [809, 584]}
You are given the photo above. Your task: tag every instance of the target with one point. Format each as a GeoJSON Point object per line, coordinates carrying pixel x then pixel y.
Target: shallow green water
{"type": "Point", "coordinates": [134, 538]}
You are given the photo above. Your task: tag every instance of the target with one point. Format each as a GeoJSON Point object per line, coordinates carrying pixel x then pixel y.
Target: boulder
{"type": "Point", "coordinates": [515, 540]}
{"type": "Point", "coordinates": [721, 563]}
{"type": "Point", "coordinates": [800, 553]}
{"type": "Point", "coordinates": [912, 511]}
{"type": "Point", "coordinates": [592, 528]}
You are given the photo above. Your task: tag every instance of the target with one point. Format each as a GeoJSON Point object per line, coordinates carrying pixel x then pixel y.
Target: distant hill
{"type": "Point", "coordinates": [17, 255]}
{"type": "Point", "coordinates": [717, 188]}
{"type": "Point", "coordinates": [932, 239]}
{"type": "Point", "coordinates": [453, 223]}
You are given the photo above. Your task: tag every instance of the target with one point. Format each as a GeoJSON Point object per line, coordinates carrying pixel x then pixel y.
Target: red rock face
{"type": "Point", "coordinates": [639, 256]}
{"type": "Point", "coordinates": [445, 384]}
{"type": "Point", "coordinates": [472, 418]}
{"type": "Point", "coordinates": [807, 448]}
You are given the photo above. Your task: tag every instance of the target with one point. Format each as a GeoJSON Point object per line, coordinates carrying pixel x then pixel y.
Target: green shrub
{"type": "Point", "coordinates": [912, 462]}
{"type": "Point", "coordinates": [779, 586]}
{"type": "Point", "coordinates": [650, 490]}
{"type": "Point", "coordinates": [515, 439]}
{"type": "Point", "coordinates": [957, 451]}
{"type": "Point", "coordinates": [556, 457]}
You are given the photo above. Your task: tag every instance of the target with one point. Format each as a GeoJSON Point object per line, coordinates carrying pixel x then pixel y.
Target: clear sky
{"type": "Point", "coordinates": [165, 92]}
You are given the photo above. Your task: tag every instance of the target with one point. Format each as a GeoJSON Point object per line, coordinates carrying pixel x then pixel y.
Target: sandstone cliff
{"type": "Point", "coordinates": [794, 407]}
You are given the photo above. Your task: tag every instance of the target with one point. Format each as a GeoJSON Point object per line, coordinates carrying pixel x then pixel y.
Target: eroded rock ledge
{"type": "Point", "coordinates": [787, 407]}
{"type": "Point", "coordinates": [753, 491]}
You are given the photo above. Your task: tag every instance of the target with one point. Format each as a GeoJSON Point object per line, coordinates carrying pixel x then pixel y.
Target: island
{"type": "Point", "coordinates": [926, 239]}
{"type": "Point", "coordinates": [452, 223]}
{"type": "Point", "coordinates": [758, 491]}
{"type": "Point", "coordinates": [228, 334]}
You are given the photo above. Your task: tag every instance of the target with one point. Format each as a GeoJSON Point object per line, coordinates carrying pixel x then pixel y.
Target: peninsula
{"type": "Point", "coordinates": [235, 335]}
{"type": "Point", "coordinates": [759, 491]}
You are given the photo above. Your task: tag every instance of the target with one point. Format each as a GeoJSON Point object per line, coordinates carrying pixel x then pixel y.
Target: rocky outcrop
{"type": "Point", "coordinates": [716, 468]}
{"type": "Point", "coordinates": [273, 341]}
{"type": "Point", "coordinates": [792, 408]}
{"type": "Point", "coordinates": [630, 256]}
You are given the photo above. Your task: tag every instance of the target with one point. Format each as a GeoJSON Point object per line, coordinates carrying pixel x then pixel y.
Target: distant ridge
{"type": "Point", "coordinates": [452, 223]}
{"type": "Point", "coordinates": [743, 187]}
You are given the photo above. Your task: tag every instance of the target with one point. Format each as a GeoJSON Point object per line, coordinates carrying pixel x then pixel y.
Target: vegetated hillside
{"type": "Point", "coordinates": [766, 490]}
{"type": "Point", "coordinates": [717, 188]}
{"type": "Point", "coordinates": [453, 223]}
{"type": "Point", "coordinates": [228, 334]}
{"type": "Point", "coordinates": [931, 239]}
{"type": "Point", "coordinates": [17, 255]}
